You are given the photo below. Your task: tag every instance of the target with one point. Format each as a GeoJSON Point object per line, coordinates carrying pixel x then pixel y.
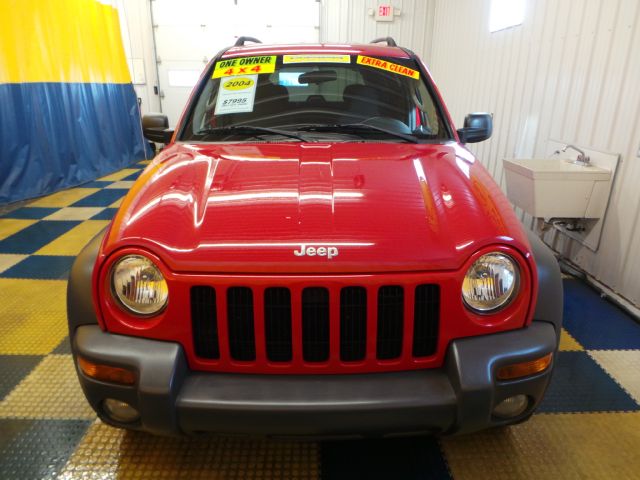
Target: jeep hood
{"type": "Point", "coordinates": [380, 206]}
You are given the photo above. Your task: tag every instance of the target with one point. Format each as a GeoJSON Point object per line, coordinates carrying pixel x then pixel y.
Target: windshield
{"type": "Point", "coordinates": [315, 97]}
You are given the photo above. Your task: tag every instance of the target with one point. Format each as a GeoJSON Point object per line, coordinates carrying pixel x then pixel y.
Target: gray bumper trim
{"type": "Point", "coordinates": [456, 398]}
{"type": "Point", "coordinates": [324, 405]}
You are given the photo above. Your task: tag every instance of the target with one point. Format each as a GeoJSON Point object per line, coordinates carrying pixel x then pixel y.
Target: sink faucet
{"type": "Point", "coordinates": [583, 158]}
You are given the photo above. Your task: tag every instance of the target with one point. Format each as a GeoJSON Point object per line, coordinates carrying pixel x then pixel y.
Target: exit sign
{"type": "Point", "coordinates": [384, 13]}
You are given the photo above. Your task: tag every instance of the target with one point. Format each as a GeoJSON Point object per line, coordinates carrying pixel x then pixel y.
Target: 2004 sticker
{"type": "Point", "coordinates": [238, 84]}
{"type": "Point", "coordinates": [388, 66]}
{"type": "Point", "coordinates": [244, 66]}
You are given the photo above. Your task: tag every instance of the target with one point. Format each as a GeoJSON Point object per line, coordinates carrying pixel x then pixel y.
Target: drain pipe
{"type": "Point", "coordinates": [155, 53]}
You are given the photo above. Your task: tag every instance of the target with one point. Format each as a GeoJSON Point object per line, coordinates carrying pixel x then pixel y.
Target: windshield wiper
{"type": "Point", "coordinates": [251, 130]}
{"type": "Point", "coordinates": [354, 128]}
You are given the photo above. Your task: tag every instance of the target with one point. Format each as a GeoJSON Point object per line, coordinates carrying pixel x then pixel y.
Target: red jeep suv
{"type": "Point", "coordinates": [315, 253]}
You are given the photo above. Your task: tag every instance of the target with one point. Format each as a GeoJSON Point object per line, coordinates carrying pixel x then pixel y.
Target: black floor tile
{"type": "Point", "coordinates": [133, 176]}
{"type": "Point", "coordinates": [596, 323]}
{"type": "Point", "coordinates": [33, 213]}
{"type": "Point", "coordinates": [579, 384]}
{"type": "Point", "coordinates": [36, 236]}
{"type": "Point", "coordinates": [13, 368]}
{"type": "Point", "coordinates": [42, 267]}
{"type": "Point", "coordinates": [106, 214]}
{"type": "Point", "coordinates": [410, 458]}
{"type": "Point", "coordinates": [10, 429]}
{"type": "Point", "coordinates": [37, 449]}
{"type": "Point", "coordinates": [102, 198]}
{"type": "Point", "coordinates": [63, 347]}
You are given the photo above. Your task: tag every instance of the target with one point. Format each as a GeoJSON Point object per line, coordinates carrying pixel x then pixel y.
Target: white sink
{"type": "Point", "coordinates": [555, 187]}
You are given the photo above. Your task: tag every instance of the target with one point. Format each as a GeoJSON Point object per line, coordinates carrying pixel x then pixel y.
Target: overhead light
{"type": "Point", "coordinates": [505, 14]}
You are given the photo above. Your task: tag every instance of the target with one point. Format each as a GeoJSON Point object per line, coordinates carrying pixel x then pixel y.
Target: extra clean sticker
{"type": "Point", "coordinates": [388, 66]}
{"type": "Point", "coordinates": [316, 59]}
{"type": "Point", "coordinates": [236, 95]}
{"type": "Point", "coordinates": [244, 66]}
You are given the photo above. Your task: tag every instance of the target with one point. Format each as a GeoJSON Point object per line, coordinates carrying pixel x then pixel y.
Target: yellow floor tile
{"type": "Point", "coordinates": [64, 198]}
{"type": "Point", "coordinates": [9, 260]}
{"type": "Point", "coordinates": [33, 316]}
{"type": "Point", "coordinates": [558, 446]}
{"type": "Point", "coordinates": [567, 342]}
{"type": "Point", "coordinates": [50, 391]}
{"type": "Point", "coordinates": [106, 452]}
{"type": "Point", "coordinates": [124, 184]}
{"type": "Point", "coordinates": [9, 226]}
{"type": "Point", "coordinates": [144, 162]}
{"type": "Point", "coordinates": [119, 175]}
{"type": "Point", "coordinates": [116, 204]}
{"type": "Point", "coordinates": [623, 366]}
{"type": "Point", "coordinates": [74, 240]}
{"type": "Point", "coordinates": [74, 213]}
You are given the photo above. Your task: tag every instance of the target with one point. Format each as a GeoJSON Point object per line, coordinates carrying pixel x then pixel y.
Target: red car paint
{"type": "Point", "coordinates": [234, 214]}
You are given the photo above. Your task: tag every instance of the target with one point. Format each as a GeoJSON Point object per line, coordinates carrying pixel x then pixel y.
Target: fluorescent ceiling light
{"type": "Point", "coordinates": [505, 14]}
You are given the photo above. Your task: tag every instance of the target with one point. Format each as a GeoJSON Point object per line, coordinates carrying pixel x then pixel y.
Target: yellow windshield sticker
{"type": "Point", "coordinates": [239, 83]}
{"type": "Point", "coordinates": [316, 59]}
{"type": "Point", "coordinates": [388, 66]}
{"type": "Point", "coordinates": [245, 66]}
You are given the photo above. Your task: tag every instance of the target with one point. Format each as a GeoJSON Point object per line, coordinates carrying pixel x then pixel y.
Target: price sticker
{"type": "Point", "coordinates": [236, 95]}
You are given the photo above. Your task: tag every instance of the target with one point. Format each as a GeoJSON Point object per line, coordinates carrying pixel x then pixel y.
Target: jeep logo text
{"type": "Point", "coordinates": [328, 252]}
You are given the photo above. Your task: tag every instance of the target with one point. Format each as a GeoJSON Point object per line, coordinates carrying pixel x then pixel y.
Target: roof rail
{"type": "Point", "coordinates": [390, 41]}
{"type": "Point", "coordinates": [241, 40]}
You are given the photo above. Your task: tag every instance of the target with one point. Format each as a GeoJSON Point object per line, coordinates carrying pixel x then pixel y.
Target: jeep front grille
{"type": "Point", "coordinates": [425, 330]}
{"type": "Point", "coordinates": [242, 344]}
{"type": "Point", "coordinates": [204, 322]}
{"type": "Point", "coordinates": [390, 322]}
{"type": "Point", "coordinates": [353, 323]}
{"type": "Point", "coordinates": [314, 325]}
{"type": "Point", "coordinates": [277, 324]}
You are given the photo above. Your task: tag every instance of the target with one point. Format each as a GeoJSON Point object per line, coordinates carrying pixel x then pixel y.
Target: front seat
{"type": "Point", "coordinates": [270, 100]}
{"type": "Point", "coordinates": [361, 101]}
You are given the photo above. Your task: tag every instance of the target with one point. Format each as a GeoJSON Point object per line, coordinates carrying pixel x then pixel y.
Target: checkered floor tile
{"type": "Point", "coordinates": [588, 426]}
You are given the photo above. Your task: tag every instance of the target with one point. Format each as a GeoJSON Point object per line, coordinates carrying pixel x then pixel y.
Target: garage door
{"type": "Point", "coordinates": [187, 37]}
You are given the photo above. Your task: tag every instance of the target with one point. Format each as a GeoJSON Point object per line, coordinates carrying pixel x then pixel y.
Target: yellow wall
{"type": "Point", "coordinates": [61, 41]}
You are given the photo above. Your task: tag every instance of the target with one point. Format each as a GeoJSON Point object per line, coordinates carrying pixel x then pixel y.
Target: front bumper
{"type": "Point", "coordinates": [457, 398]}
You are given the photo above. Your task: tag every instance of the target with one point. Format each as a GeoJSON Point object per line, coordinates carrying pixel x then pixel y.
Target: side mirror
{"type": "Point", "coordinates": [477, 128]}
{"type": "Point", "coordinates": [155, 127]}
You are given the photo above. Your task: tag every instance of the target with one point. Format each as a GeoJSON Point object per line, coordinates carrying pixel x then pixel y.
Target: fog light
{"type": "Point", "coordinates": [511, 407]}
{"type": "Point", "coordinates": [120, 411]}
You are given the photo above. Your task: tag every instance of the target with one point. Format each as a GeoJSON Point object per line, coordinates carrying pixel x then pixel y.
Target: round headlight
{"type": "Point", "coordinates": [490, 283]}
{"type": "Point", "coordinates": [139, 285]}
